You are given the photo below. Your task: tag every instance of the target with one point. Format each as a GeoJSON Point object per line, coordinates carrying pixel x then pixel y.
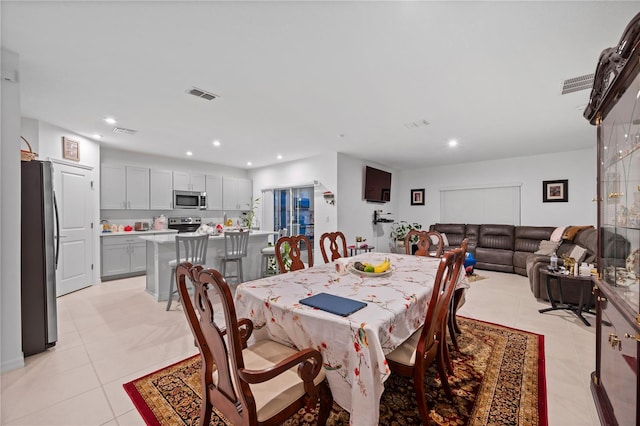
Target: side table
{"type": "Point", "coordinates": [585, 283]}
{"type": "Point", "coordinates": [355, 250]}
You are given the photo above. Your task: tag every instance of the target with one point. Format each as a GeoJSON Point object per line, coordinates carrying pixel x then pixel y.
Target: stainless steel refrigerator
{"type": "Point", "coordinates": [39, 251]}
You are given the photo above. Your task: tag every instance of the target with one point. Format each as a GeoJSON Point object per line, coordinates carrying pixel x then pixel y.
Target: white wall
{"type": "Point", "coordinates": [11, 356]}
{"type": "Point", "coordinates": [579, 167]}
{"type": "Point", "coordinates": [355, 215]}
{"type": "Point", "coordinates": [322, 168]}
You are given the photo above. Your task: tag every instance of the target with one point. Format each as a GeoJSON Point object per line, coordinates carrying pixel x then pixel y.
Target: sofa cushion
{"type": "Point", "coordinates": [527, 238]}
{"type": "Point", "coordinates": [454, 231]}
{"type": "Point", "coordinates": [547, 247]}
{"type": "Point", "coordinates": [578, 253]}
{"type": "Point", "coordinates": [556, 235]}
{"type": "Point", "coordinates": [496, 237]}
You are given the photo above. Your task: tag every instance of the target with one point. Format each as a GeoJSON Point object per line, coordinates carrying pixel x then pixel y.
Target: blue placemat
{"type": "Point", "coordinates": [334, 304]}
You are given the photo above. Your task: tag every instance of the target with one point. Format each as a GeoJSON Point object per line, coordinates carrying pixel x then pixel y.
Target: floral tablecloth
{"type": "Point", "coordinates": [353, 347]}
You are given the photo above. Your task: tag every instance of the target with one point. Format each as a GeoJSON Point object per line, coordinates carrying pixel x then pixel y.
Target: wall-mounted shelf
{"type": "Point", "coordinates": [379, 217]}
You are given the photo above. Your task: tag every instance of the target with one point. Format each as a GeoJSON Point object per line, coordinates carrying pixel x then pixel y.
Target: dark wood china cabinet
{"type": "Point", "coordinates": [614, 107]}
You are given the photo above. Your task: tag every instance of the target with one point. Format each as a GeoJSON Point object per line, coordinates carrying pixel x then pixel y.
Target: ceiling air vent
{"type": "Point", "coordinates": [576, 84]}
{"type": "Point", "coordinates": [202, 94]}
{"type": "Point", "coordinates": [416, 124]}
{"type": "Point", "coordinates": [125, 131]}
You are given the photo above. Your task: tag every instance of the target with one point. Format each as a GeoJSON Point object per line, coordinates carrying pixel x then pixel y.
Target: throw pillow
{"type": "Point", "coordinates": [547, 247]}
{"type": "Point", "coordinates": [570, 233]}
{"type": "Point", "coordinates": [578, 253]}
{"type": "Point", "coordinates": [445, 241]}
{"type": "Point", "coordinates": [556, 235]}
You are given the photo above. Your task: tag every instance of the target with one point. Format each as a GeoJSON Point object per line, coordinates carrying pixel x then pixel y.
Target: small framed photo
{"type": "Point", "coordinates": [417, 197]}
{"type": "Point", "coordinates": [555, 191]}
{"type": "Point", "coordinates": [70, 149]}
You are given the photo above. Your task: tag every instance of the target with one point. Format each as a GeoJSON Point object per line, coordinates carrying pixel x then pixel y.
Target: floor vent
{"type": "Point", "coordinates": [202, 94]}
{"type": "Point", "coordinates": [125, 131]}
{"type": "Point", "coordinates": [577, 84]}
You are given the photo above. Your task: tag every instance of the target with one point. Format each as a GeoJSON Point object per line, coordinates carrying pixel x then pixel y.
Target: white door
{"type": "Point", "coordinates": [74, 200]}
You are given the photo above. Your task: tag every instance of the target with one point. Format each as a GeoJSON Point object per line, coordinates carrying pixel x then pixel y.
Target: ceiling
{"type": "Point", "coordinates": [303, 78]}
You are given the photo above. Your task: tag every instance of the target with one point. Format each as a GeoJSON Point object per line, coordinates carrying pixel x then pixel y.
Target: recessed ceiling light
{"type": "Point", "coordinates": [216, 143]}
{"type": "Point", "coordinates": [110, 120]}
{"type": "Point", "coordinates": [279, 157]}
{"type": "Point", "coordinates": [453, 143]}
{"type": "Point", "coordinates": [189, 153]}
{"type": "Point", "coordinates": [97, 136]}
{"type": "Point", "coordinates": [249, 163]}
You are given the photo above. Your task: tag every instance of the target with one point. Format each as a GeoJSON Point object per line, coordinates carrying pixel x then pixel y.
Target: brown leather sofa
{"type": "Point", "coordinates": [508, 248]}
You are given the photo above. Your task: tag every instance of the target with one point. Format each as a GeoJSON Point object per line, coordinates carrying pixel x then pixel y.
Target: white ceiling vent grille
{"type": "Point", "coordinates": [125, 131]}
{"type": "Point", "coordinates": [416, 124]}
{"type": "Point", "coordinates": [202, 94]}
{"type": "Point", "coordinates": [576, 84]}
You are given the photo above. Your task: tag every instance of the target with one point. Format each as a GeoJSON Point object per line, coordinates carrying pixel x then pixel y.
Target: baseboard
{"type": "Point", "coordinates": [13, 364]}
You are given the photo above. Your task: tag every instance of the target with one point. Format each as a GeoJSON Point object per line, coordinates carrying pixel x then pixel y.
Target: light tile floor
{"type": "Point", "coordinates": [114, 332]}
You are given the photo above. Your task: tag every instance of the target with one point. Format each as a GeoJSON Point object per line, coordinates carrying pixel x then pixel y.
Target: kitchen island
{"type": "Point", "coordinates": [162, 248]}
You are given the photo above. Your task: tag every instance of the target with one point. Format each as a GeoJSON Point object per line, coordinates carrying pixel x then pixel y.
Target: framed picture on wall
{"type": "Point", "coordinates": [70, 149]}
{"type": "Point", "coordinates": [555, 191]}
{"type": "Point", "coordinates": [417, 197]}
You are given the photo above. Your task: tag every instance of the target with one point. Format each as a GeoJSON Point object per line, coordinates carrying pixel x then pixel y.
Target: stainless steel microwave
{"type": "Point", "coordinates": [189, 200]}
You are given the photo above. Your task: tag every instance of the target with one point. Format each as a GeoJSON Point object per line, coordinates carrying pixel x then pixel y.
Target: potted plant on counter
{"type": "Point", "coordinates": [249, 216]}
{"type": "Point", "coordinates": [399, 231]}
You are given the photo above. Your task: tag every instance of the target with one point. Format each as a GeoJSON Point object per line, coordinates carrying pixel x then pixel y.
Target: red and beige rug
{"type": "Point", "coordinates": [499, 380]}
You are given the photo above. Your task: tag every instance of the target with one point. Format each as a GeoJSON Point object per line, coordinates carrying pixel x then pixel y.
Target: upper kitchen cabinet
{"type": "Point", "coordinates": [161, 189]}
{"type": "Point", "coordinates": [214, 192]}
{"type": "Point", "coordinates": [237, 194]}
{"type": "Point", "coordinates": [124, 187]}
{"type": "Point", "coordinates": [185, 181]}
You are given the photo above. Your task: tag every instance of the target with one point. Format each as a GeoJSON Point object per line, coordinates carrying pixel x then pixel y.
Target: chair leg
{"type": "Point", "coordinates": [205, 411]}
{"type": "Point", "coordinates": [240, 277]}
{"type": "Point", "coordinates": [452, 330]}
{"type": "Point", "coordinates": [421, 396]}
{"type": "Point", "coordinates": [442, 371]}
{"type": "Point", "coordinates": [326, 402]}
{"type": "Point", "coordinates": [444, 349]}
{"type": "Point", "coordinates": [172, 280]}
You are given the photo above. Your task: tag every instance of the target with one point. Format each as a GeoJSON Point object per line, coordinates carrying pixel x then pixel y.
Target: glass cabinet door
{"type": "Point", "coordinates": [620, 205]}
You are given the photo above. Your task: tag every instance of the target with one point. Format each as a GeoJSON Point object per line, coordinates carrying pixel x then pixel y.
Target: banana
{"type": "Point", "coordinates": [382, 267]}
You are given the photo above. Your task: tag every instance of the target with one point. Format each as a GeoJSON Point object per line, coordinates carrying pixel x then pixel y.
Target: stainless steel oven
{"type": "Point", "coordinates": [189, 200]}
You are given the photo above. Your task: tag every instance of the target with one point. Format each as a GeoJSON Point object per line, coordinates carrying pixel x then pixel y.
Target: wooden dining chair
{"type": "Point", "coordinates": [413, 357]}
{"type": "Point", "coordinates": [425, 241]}
{"type": "Point", "coordinates": [458, 295]}
{"type": "Point", "coordinates": [336, 241]}
{"type": "Point", "coordinates": [289, 253]}
{"type": "Point", "coordinates": [262, 384]}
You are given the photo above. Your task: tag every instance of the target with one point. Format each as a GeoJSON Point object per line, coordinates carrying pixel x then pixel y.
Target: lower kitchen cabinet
{"type": "Point", "coordinates": [123, 256]}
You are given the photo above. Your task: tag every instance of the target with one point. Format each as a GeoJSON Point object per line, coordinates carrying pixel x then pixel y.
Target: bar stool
{"type": "Point", "coordinates": [235, 248]}
{"type": "Point", "coordinates": [268, 264]}
{"type": "Point", "coordinates": [195, 252]}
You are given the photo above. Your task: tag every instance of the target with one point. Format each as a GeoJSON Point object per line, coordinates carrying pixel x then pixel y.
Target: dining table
{"type": "Point", "coordinates": [353, 347]}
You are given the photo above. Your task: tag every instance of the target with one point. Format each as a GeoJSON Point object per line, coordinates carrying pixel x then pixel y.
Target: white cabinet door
{"type": "Point", "coordinates": [245, 194]}
{"type": "Point", "coordinates": [198, 182]}
{"type": "Point", "coordinates": [115, 259]}
{"type": "Point", "coordinates": [113, 188]}
{"type": "Point", "coordinates": [137, 188]}
{"type": "Point", "coordinates": [180, 181]}
{"type": "Point", "coordinates": [229, 193]}
{"type": "Point", "coordinates": [214, 192]}
{"type": "Point", "coordinates": [161, 189]}
{"type": "Point", "coordinates": [138, 253]}
{"type": "Point", "coordinates": [236, 193]}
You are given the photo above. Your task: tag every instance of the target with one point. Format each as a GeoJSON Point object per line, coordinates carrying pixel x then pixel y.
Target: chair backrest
{"type": "Point", "coordinates": [235, 244]}
{"type": "Point", "coordinates": [192, 249]}
{"type": "Point", "coordinates": [220, 344]}
{"type": "Point", "coordinates": [336, 242]}
{"type": "Point", "coordinates": [289, 253]}
{"type": "Point", "coordinates": [425, 242]}
{"type": "Point", "coordinates": [458, 255]}
{"type": "Point", "coordinates": [443, 286]}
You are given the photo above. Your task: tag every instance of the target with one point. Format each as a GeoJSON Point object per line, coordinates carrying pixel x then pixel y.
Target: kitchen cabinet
{"type": "Point", "coordinates": [122, 256]}
{"type": "Point", "coordinates": [124, 187]}
{"type": "Point", "coordinates": [614, 107]}
{"type": "Point", "coordinates": [186, 181]}
{"type": "Point", "coordinates": [214, 192]}
{"type": "Point", "coordinates": [237, 194]}
{"type": "Point", "coordinates": [161, 189]}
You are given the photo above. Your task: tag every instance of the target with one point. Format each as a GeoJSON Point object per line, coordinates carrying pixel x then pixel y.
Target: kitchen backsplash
{"type": "Point", "coordinates": [129, 217]}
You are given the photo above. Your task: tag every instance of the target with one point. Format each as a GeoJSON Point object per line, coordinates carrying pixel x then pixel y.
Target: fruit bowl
{"type": "Point", "coordinates": [369, 274]}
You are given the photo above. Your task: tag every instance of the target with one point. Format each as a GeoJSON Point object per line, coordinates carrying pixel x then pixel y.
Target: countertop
{"type": "Point", "coordinates": [164, 238]}
{"type": "Point", "coordinates": [149, 232]}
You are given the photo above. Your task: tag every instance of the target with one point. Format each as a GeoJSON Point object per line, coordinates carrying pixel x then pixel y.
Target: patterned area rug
{"type": "Point", "coordinates": [499, 380]}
